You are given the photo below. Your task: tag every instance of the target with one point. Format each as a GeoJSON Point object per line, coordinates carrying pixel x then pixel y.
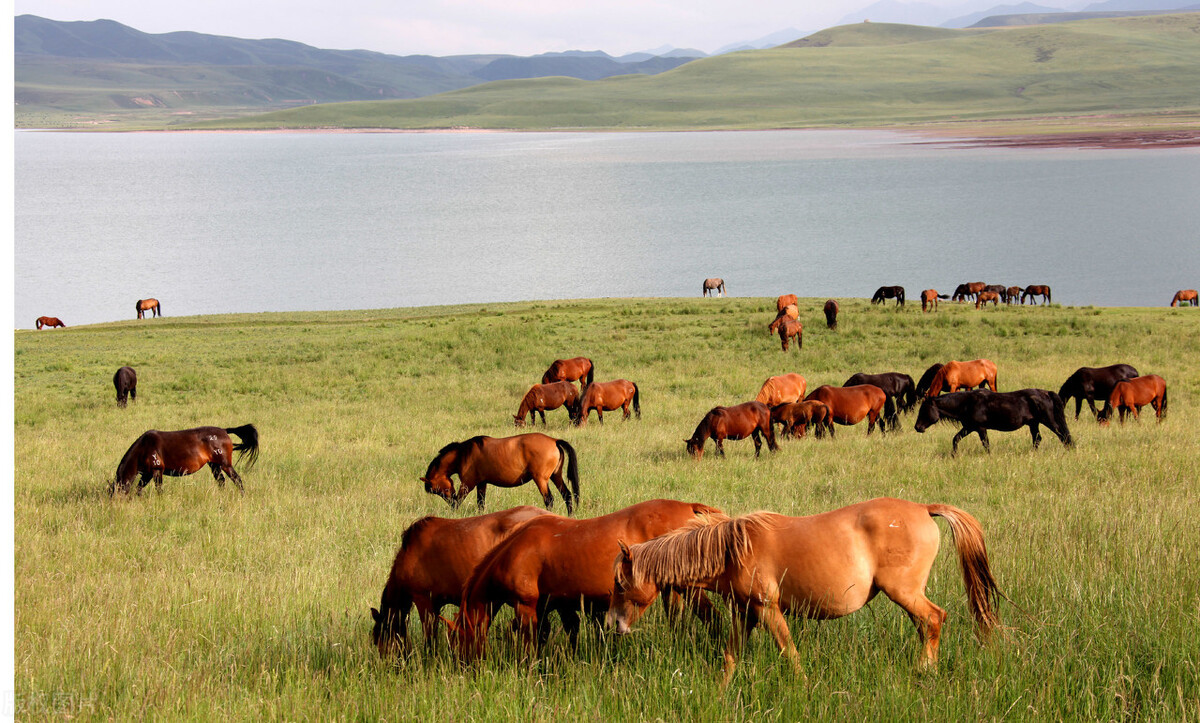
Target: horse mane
{"type": "Point", "coordinates": [703, 548]}
{"type": "Point", "coordinates": [462, 446]}
{"type": "Point", "coordinates": [938, 380]}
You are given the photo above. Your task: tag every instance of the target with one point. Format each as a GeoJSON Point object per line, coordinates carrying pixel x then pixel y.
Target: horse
{"type": "Point", "coordinates": [898, 386]}
{"type": "Point", "coordinates": [180, 453]}
{"type": "Point", "coordinates": [552, 563]}
{"type": "Point", "coordinates": [1092, 383]}
{"type": "Point", "coordinates": [749, 419]}
{"type": "Point", "coordinates": [783, 388]}
{"type": "Point", "coordinates": [962, 291]}
{"type": "Point", "coordinates": [1011, 294]}
{"type": "Point", "coordinates": [785, 301]}
{"type": "Point", "coordinates": [1130, 395]}
{"type": "Point", "coordinates": [713, 286]}
{"type": "Point", "coordinates": [606, 397]}
{"type": "Point", "coordinates": [542, 397]}
{"type": "Point", "coordinates": [504, 462]}
{"type": "Point", "coordinates": [1183, 297]}
{"type": "Point", "coordinates": [929, 299]}
{"type": "Point", "coordinates": [956, 374]}
{"type": "Point", "coordinates": [435, 559]}
{"type": "Point", "coordinates": [570, 370]}
{"type": "Point", "coordinates": [821, 566]}
{"type": "Point", "coordinates": [787, 330]}
{"type": "Point", "coordinates": [927, 379]}
{"type": "Point", "coordinates": [788, 312]}
{"type": "Point", "coordinates": [981, 410]}
{"type": "Point", "coordinates": [151, 305]}
{"type": "Point", "coordinates": [1036, 290]}
{"type": "Point", "coordinates": [50, 321]}
{"type": "Point", "coordinates": [125, 380]}
{"type": "Point", "coordinates": [986, 296]}
{"type": "Point", "coordinates": [998, 289]}
{"type": "Point", "coordinates": [798, 415]}
{"type": "Point", "coordinates": [831, 312]}
{"type": "Point", "coordinates": [889, 292]}
{"type": "Point", "coordinates": [850, 405]}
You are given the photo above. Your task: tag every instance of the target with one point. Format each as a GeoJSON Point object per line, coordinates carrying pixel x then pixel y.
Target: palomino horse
{"type": "Point", "coordinates": [552, 563]}
{"type": "Point", "coordinates": [180, 453]}
{"type": "Point", "coordinates": [929, 299]}
{"type": "Point", "coordinates": [796, 416]}
{"type": "Point", "coordinates": [979, 411]}
{"type": "Point", "coordinates": [151, 305]}
{"type": "Point", "coordinates": [962, 291]}
{"type": "Point", "coordinates": [1012, 294]}
{"type": "Point", "coordinates": [831, 312]}
{"type": "Point", "coordinates": [898, 386]}
{"type": "Point", "coordinates": [504, 462]}
{"type": "Point", "coordinates": [1130, 395]}
{"type": "Point", "coordinates": [986, 296]}
{"type": "Point", "coordinates": [125, 380]}
{"type": "Point", "coordinates": [785, 301]}
{"type": "Point", "coordinates": [606, 397]}
{"type": "Point", "coordinates": [791, 311]}
{"type": "Point", "coordinates": [1183, 297]}
{"type": "Point", "coordinates": [1036, 290]}
{"type": "Point", "coordinates": [50, 321]}
{"type": "Point", "coordinates": [955, 375]}
{"type": "Point", "coordinates": [782, 388]}
{"type": "Point", "coordinates": [578, 369]}
{"type": "Point", "coordinates": [435, 559]}
{"type": "Point", "coordinates": [750, 419]}
{"type": "Point", "coordinates": [713, 286]}
{"type": "Point", "coordinates": [850, 405]}
{"type": "Point", "coordinates": [789, 329]}
{"type": "Point", "coordinates": [541, 397]}
{"type": "Point", "coordinates": [889, 292]}
{"type": "Point", "coordinates": [1092, 383]}
{"type": "Point", "coordinates": [822, 567]}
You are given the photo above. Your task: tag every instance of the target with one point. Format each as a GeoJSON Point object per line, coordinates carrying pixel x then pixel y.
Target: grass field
{"type": "Point", "coordinates": [197, 603]}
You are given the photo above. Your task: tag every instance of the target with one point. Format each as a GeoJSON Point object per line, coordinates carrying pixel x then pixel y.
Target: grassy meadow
{"type": "Point", "coordinates": [198, 603]}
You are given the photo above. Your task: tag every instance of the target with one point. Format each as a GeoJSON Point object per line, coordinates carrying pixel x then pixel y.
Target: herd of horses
{"type": "Point", "coordinates": [979, 292]}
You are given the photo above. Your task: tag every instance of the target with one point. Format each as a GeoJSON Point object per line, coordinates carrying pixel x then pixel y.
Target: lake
{"type": "Point", "coordinates": [231, 222]}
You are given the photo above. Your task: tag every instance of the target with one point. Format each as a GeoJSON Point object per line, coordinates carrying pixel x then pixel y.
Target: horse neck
{"type": "Point", "coordinates": [526, 405]}
{"type": "Point", "coordinates": [704, 430]}
{"type": "Point", "coordinates": [449, 463]}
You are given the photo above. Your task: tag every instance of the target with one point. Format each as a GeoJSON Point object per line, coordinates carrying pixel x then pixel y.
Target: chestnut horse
{"type": "Point", "coordinates": [981, 410]}
{"type": "Point", "coordinates": [929, 299]}
{"type": "Point", "coordinates": [955, 375]}
{"type": "Point", "coordinates": [831, 312]}
{"type": "Point", "coordinates": [1012, 294]}
{"type": "Point", "coordinates": [986, 296]}
{"type": "Point", "coordinates": [606, 397]}
{"type": "Point", "coordinates": [962, 291]}
{"type": "Point", "coordinates": [504, 462]}
{"type": "Point", "coordinates": [1092, 383]}
{"type": "Point", "coordinates": [570, 370]}
{"type": "Point", "coordinates": [787, 330]}
{"type": "Point", "coordinates": [151, 305]}
{"type": "Point", "coordinates": [125, 380]}
{"type": "Point", "coordinates": [713, 286]}
{"type": "Point", "coordinates": [552, 563]}
{"type": "Point", "coordinates": [435, 559]}
{"type": "Point", "coordinates": [1130, 395]}
{"type": "Point", "coordinates": [1036, 290]}
{"type": "Point", "coordinates": [782, 388]}
{"type": "Point", "coordinates": [822, 567]}
{"type": "Point", "coordinates": [796, 416]}
{"type": "Point", "coordinates": [788, 312]}
{"type": "Point", "coordinates": [749, 419]}
{"type": "Point", "coordinates": [898, 386]}
{"type": "Point", "coordinates": [180, 453]}
{"type": "Point", "coordinates": [889, 292]}
{"type": "Point", "coordinates": [541, 397]}
{"type": "Point", "coordinates": [850, 405]}
{"type": "Point", "coordinates": [1183, 297]}
{"type": "Point", "coordinates": [50, 321]}
{"type": "Point", "coordinates": [785, 301]}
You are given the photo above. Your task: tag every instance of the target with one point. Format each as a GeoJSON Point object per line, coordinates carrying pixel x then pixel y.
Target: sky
{"type": "Point", "coordinates": [453, 27]}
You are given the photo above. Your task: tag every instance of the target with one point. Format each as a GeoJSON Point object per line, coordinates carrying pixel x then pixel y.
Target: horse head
{"type": "Point", "coordinates": [928, 415]}
{"type": "Point", "coordinates": [385, 633]}
{"type": "Point", "coordinates": [628, 600]}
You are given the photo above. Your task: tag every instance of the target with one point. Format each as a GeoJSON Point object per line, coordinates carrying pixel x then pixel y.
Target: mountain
{"type": "Point", "coordinates": [1111, 5]}
{"type": "Point", "coordinates": [767, 41]}
{"type": "Point", "coordinates": [895, 11]}
{"type": "Point", "coordinates": [1025, 8]}
{"type": "Point", "coordinates": [574, 65]}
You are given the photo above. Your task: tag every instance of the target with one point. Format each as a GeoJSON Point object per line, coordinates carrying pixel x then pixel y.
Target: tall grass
{"type": "Point", "coordinates": [199, 603]}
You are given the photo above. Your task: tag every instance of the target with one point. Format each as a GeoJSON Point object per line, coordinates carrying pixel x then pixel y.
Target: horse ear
{"type": "Point", "coordinates": [374, 614]}
{"type": "Point", "coordinates": [624, 548]}
{"type": "Point", "coordinates": [424, 479]}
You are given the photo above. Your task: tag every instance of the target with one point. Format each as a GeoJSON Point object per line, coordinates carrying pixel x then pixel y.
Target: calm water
{"type": "Point", "coordinates": [212, 223]}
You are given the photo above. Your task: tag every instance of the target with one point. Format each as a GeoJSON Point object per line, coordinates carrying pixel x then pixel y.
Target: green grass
{"type": "Point", "coordinates": [198, 603]}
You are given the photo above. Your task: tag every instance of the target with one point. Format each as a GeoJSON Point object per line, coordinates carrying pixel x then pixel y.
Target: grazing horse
{"type": "Point", "coordinates": [979, 411]}
{"type": "Point", "coordinates": [782, 388]}
{"type": "Point", "coordinates": [151, 305]}
{"type": "Point", "coordinates": [787, 330]}
{"type": "Point", "coordinates": [737, 422]}
{"type": "Point", "coordinates": [929, 299]}
{"type": "Point", "coordinates": [435, 559]}
{"type": "Point", "coordinates": [50, 321]}
{"type": "Point", "coordinates": [180, 453]}
{"type": "Point", "coordinates": [962, 291]}
{"type": "Point", "coordinates": [998, 289]}
{"type": "Point", "coordinates": [1092, 383]}
{"type": "Point", "coordinates": [1036, 290]}
{"type": "Point", "coordinates": [713, 286]}
{"type": "Point", "coordinates": [831, 312]}
{"type": "Point", "coordinates": [986, 296]}
{"type": "Point", "coordinates": [850, 405]}
{"type": "Point", "coordinates": [955, 374]}
{"type": "Point", "coordinates": [1183, 297]}
{"type": "Point", "coordinates": [785, 301]}
{"type": "Point", "coordinates": [606, 397]}
{"type": "Point", "coordinates": [927, 379]}
{"type": "Point", "coordinates": [889, 292]}
{"type": "Point", "coordinates": [552, 563]}
{"type": "Point", "coordinates": [1011, 294]}
{"type": "Point", "coordinates": [822, 567]}
{"type": "Point", "coordinates": [899, 387]}
{"type": "Point", "coordinates": [504, 462]}
{"type": "Point", "coordinates": [570, 370]}
{"type": "Point", "coordinates": [125, 380]}
{"type": "Point", "coordinates": [798, 415]}
{"type": "Point", "coordinates": [541, 397]}
{"type": "Point", "coordinates": [788, 312]}
{"type": "Point", "coordinates": [1130, 395]}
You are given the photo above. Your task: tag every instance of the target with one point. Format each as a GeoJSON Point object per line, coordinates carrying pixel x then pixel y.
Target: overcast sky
{"type": "Point", "coordinates": [450, 27]}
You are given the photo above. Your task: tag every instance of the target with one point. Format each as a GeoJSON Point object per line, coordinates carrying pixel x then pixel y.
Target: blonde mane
{"type": "Point", "coordinates": [703, 548]}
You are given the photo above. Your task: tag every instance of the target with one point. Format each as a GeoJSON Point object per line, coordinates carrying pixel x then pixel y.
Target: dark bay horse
{"type": "Point", "coordinates": [713, 286]}
{"type": "Point", "coordinates": [180, 453]}
{"type": "Point", "coordinates": [898, 386]}
{"type": "Point", "coordinates": [1094, 383]}
{"type": "Point", "coordinates": [435, 559]}
{"type": "Point", "coordinates": [981, 410]}
{"type": "Point", "coordinates": [929, 299]}
{"type": "Point", "coordinates": [985, 296]}
{"type": "Point", "coordinates": [831, 312]}
{"type": "Point", "coordinates": [791, 329]}
{"type": "Point", "coordinates": [962, 291]}
{"type": "Point", "coordinates": [606, 397]}
{"type": "Point", "coordinates": [797, 416]}
{"type": "Point", "coordinates": [782, 388]}
{"type": "Point", "coordinates": [542, 397]}
{"type": "Point", "coordinates": [750, 419]}
{"type": "Point", "coordinates": [822, 566]}
{"type": "Point", "coordinates": [850, 405]}
{"type": "Point", "coordinates": [552, 563]}
{"type": "Point", "coordinates": [125, 380]}
{"type": "Point", "coordinates": [1036, 290]}
{"type": "Point", "coordinates": [144, 305]}
{"type": "Point", "coordinates": [954, 375]}
{"type": "Point", "coordinates": [1130, 395]}
{"type": "Point", "coordinates": [50, 321]}
{"type": "Point", "coordinates": [1183, 297]}
{"type": "Point", "coordinates": [504, 462]}
{"type": "Point", "coordinates": [889, 292]}
{"type": "Point", "coordinates": [1012, 294]}
{"type": "Point", "coordinates": [578, 369]}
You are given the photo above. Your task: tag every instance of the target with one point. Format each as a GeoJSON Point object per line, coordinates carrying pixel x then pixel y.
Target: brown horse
{"type": "Point", "coordinates": [1183, 297]}
{"type": "Point", "coordinates": [750, 419]}
{"type": "Point", "coordinates": [713, 286]}
{"type": "Point", "coordinates": [785, 301]}
{"type": "Point", "coordinates": [579, 369]}
{"type": "Point", "coordinates": [50, 321]}
{"type": "Point", "coordinates": [541, 397]}
{"type": "Point", "coordinates": [789, 329]}
{"type": "Point", "coordinates": [929, 299]}
{"type": "Point", "coordinates": [151, 305]}
{"type": "Point", "coordinates": [782, 388]}
{"type": "Point", "coordinates": [180, 453]}
{"type": "Point", "coordinates": [1012, 294]}
{"type": "Point", "coordinates": [831, 312]}
{"type": "Point", "coordinates": [504, 462]}
{"type": "Point", "coordinates": [796, 416]}
{"type": "Point", "coordinates": [788, 312]}
{"type": "Point", "coordinates": [1036, 290]}
{"type": "Point", "coordinates": [822, 566]}
{"type": "Point", "coordinates": [986, 296]}
{"type": "Point", "coordinates": [435, 559]}
{"type": "Point", "coordinates": [606, 397]}
{"type": "Point", "coordinates": [552, 563]}
{"type": "Point", "coordinates": [955, 375]}
{"type": "Point", "coordinates": [883, 293]}
{"type": "Point", "coordinates": [125, 380]}
{"type": "Point", "coordinates": [850, 405]}
{"type": "Point", "coordinates": [962, 291]}
{"type": "Point", "coordinates": [1130, 395]}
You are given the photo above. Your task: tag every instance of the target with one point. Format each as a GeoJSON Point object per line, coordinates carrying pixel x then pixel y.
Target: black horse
{"type": "Point", "coordinates": [898, 387]}
{"type": "Point", "coordinates": [889, 292]}
{"type": "Point", "coordinates": [125, 380]}
{"type": "Point", "coordinates": [981, 410]}
{"type": "Point", "coordinates": [1092, 383]}
{"type": "Point", "coordinates": [831, 312]}
{"type": "Point", "coordinates": [1000, 289]}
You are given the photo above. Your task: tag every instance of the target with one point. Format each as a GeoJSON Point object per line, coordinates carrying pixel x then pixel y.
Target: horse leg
{"type": "Point", "coordinates": [237, 478]}
{"type": "Point", "coordinates": [561, 484]}
{"type": "Point", "coordinates": [984, 438]}
{"type": "Point", "coordinates": [1037, 435]}
{"type": "Point", "coordinates": [543, 413]}
{"type": "Point", "coordinates": [570, 622]}
{"type": "Point", "coordinates": [720, 446]}
{"type": "Point", "coordinates": [743, 624]}
{"type": "Point", "coordinates": [757, 442]}
{"type": "Point", "coordinates": [481, 495]}
{"type": "Point", "coordinates": [927, 617]}
{"type": "Point", "coordinates": [625, 409]}
{"type": "Point", "coordinates": [772, 619]}
{"type": "Point", "coordinates": [429, 620]}
{"type": "Point", "coordinates": [600, 414]}
{"type": "Point", "coordinates": [544, 487]}
{"type": "Point", "coordinates": [957, 438]}
{"type": "Point", "coordinates": [215, 468]}
{"type": "Point", "coordinates": [527, 624]}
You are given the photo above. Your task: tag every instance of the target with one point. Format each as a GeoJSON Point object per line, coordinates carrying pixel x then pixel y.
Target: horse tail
{"type": "Point", "coordinates": [1048, 295]}
{"type": "Point", "coordinates": [38, 322]}
{"type": "Point", "coordinates": [889, 412]}
{"type": "Point", "coordinates": [637, 401]}
{"type": "Point", "coordinates": [983, 594]}
{"type": "Point", "coordinates": [249, 444]}
{"type": "Point", "coordinates": [1059, 410]}
{"type": "Point", "coordinates": [158, 309]}
{"type": "Point", "coordinates": [591, 371]}
{"type": "Point", "coordinates": [1163, 413]}
{"type": "Point", "coordinates": [572, 465]}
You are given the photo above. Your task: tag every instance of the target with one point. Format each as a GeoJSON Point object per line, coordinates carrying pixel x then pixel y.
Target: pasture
{"type": "Point", "coordinates": [199, 602]}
